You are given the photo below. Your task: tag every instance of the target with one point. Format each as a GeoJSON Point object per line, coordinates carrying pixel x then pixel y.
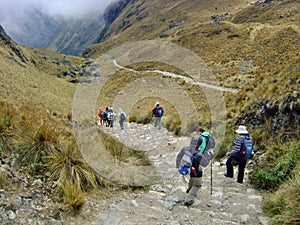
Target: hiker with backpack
{"type": "Point", "coordinates": [122, 118]}
{"type": "Point", "coordinates": [104, 116]}
{"type": "Point", "coordinates": [111, 116]}
{"type": "Point", "coordinates": [240, 154]}
{"type": "Point", "coordinates": [157, 113]}
{"type": "Point", "coordinates": [192, 159]}
{"type": "Point", "coordinates": [100, 121]}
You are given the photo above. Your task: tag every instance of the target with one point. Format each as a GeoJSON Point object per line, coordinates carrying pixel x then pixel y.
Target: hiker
{"type": "Point", "coordinates": [122, 118]}
{"type": "Point", "coordinates": [100, 121]}
{"type": "Point", "coordinates": [195, 181]}
{"type": "Point", "coordinates": [157, 113]}
{"type": "Point", "coordinates": [202, 149]}
{"type": "Point", "coordinates": [235, 156]}
{"type": "Point", "coordinates": [111, 116]}
{"type": "Point", "coordinates": [104, 116]}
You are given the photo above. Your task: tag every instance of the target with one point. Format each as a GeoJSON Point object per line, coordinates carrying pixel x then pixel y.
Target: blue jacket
{"type": "Point", "coordinates": [238, 144]}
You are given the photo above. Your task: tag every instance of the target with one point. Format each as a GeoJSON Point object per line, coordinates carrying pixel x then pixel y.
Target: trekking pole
{"type": "Point", "coordinates": [211, 180]}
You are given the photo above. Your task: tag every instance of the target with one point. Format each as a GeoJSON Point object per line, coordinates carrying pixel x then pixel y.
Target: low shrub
{"type": "Point", "coordinates": [272, 175]}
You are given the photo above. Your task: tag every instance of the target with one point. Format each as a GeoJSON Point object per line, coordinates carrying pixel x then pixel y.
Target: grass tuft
{"type": "Point", "coordinates": [284, 205]}
{"type": "Point", "coordinates": [73, 196]}
{"type": "Point", "coordinates": [35, 143]}
{"type": "Point", "coordinates": [66, 165]}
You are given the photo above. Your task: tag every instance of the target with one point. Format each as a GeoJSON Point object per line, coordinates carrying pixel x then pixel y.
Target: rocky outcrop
{"type": "Point", "coordinates": [9, 42]}
{"type": "Point", "coordinates": [281, 114]}
{"type": "Point", "coordinates": [111, 13]}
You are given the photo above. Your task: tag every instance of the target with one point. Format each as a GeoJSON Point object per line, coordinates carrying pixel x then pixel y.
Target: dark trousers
{"type": "Point", "coordinates": [241, 169]}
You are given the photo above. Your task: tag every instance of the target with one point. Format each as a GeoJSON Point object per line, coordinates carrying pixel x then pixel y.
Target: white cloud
{"type": "Point", "coordinates": [14, 13]}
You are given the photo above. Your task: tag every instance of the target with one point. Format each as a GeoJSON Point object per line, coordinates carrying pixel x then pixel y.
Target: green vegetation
{"type": "Point", "coordinates": [283, 205]}
{"type": "Point", "coordinates": [280, 165]}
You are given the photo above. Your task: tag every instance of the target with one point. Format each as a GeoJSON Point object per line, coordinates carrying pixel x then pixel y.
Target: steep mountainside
{"type": "Point", "coordinates": [247, 46]}
{"type": "Point", "coordinates": [56, 33]}
{"type": "Point", "coordinates": [38, 77]}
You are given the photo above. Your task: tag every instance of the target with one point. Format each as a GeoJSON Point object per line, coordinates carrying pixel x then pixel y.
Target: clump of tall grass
{"type": "Point", "coordinates": [4, 179]}
{"type": "Point", "coordinates": [66, 165]}
{"type": "Point", "coordinates": [72, 175]}
{"type": "Point", "coordinates": [73, 196]}
{"type": "Point", "coordinates": [141, 118]}
{"type": "Point", "coordinates": [123, 153]}
{"type": "Point", "coordinates": [173, 124]}
{"type": "Point", "coordinates": [35, 142]}
{"type": "Point", "coordinates": [6, 125]}
{"type": "Point", "coordinates": [284, 205]}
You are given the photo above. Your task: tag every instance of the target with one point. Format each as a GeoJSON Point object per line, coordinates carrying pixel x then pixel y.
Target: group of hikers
{"type": "Point", "coordinates": [107, 117]}
{"type": "Point", "coordinates": [193, 158]}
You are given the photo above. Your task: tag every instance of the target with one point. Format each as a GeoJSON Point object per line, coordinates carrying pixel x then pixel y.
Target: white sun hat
{"type": "Point", "coordinates": [242, 130]}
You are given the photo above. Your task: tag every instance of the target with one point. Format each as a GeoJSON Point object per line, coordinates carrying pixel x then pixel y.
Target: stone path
{"type": "Point", "coordinates": [229, 203]}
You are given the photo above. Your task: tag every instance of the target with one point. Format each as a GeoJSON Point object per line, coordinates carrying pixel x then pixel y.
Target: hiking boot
{"type": "Point", "coordinates": [226, 175]}
{"type": "Point", "coordinates": [189, 203]}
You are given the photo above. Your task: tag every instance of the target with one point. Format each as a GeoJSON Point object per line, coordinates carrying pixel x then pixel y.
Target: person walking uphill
{"type": "Point", "coordinates": [238, 156]}
{"type": "Point", "coordinates": [157, 113]}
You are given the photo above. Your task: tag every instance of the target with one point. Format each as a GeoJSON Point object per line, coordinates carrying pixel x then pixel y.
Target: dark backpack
{"type": "Point", "coordinates": [159, 111]}
{"type": "Point", "coordinates": [247, 148]}
{"type": "Point", "coordinates": [104, 115]}
{"type": "Point", "coordinates": [186, 156]}
{"type": "Point", "coordinates": [122, 116]}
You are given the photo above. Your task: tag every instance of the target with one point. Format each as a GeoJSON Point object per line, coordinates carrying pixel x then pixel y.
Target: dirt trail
{"type": "Point", "coordinates": [186, 79]}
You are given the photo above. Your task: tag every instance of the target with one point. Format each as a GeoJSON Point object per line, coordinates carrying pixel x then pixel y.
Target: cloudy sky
{"type": "Point", "coordinates": [12, 11]}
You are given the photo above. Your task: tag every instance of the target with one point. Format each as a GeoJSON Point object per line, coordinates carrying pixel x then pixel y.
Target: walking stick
{"type": "Point", "coordinates": [211, 180]}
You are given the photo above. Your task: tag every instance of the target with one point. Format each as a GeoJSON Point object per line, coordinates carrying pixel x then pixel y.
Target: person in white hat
{"type": "Point", "coordinates": [157, 113]}
{"type": "Point", "coordinates": [235, 157]}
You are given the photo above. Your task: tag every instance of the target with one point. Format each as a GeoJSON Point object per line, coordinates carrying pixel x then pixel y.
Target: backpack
{"type": "Point", "coordinates": [110, 116]}
{"type": "Point", "coordinates": [122, 116]}
{"type": "Point", "coordinates": [247, 148]}
{"type": "Point", "coordinates": [186, 156]}
{"type": "Point", "coordinates": [159, 111]}
{"type": "Point", "coordinates": [104, 115]}
{"type": "Point", "coordinates": [184, 160]}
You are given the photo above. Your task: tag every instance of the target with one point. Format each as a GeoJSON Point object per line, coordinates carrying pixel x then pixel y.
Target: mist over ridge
{"type": "Point", "coordinates": [53, 24]}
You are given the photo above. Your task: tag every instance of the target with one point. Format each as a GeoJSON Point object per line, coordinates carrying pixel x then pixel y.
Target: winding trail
{"type": "Point", "coordinates": [228, 203]}
{"type": "Point", "coordinates": [185, 78]}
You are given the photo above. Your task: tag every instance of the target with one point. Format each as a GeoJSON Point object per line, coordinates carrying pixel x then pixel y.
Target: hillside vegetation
{"type": "Point", "coordinates": [251, 47]}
